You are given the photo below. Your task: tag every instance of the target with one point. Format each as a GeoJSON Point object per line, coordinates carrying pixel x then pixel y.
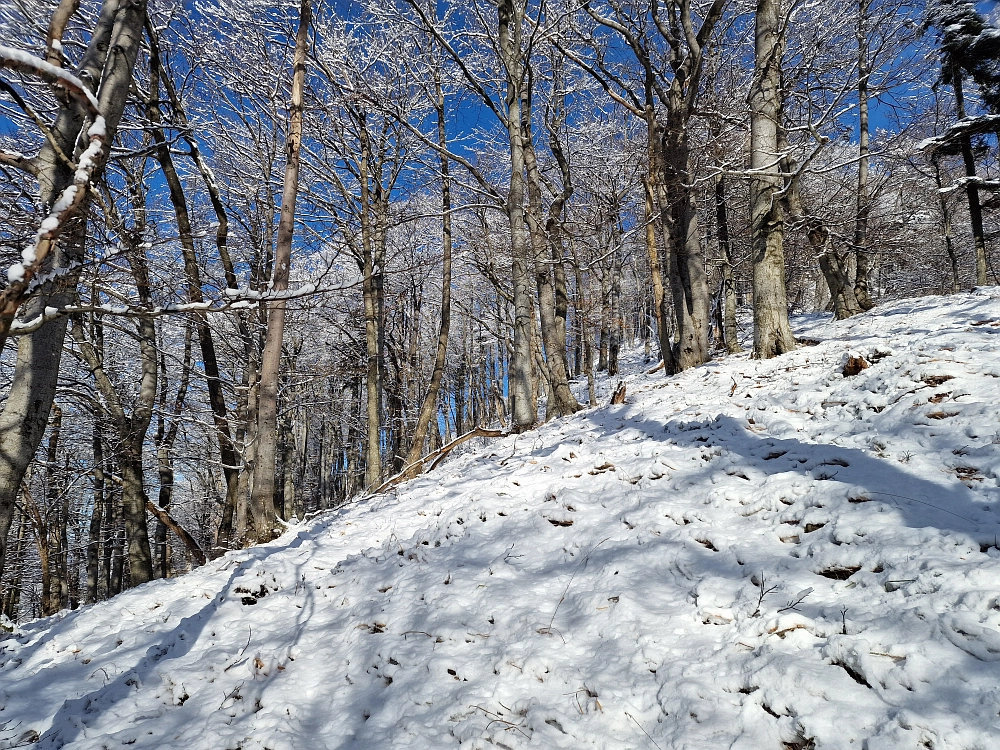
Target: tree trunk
{"type": "Point", "coordinates": [164, 441]}
{"type": "Point", "coordinates": [728, 290]}
{"type": "Point", "coordinates": [969, 159]}
{"type": "Point", "coordinates": [686, 261]}
{"type": "Point", "coordinates": [49, 521]}
{"type": "Point", "coordinates": [96, 515]}
{"type": "Point", "coordinates": [862, 251]}
{"type": "Point", "coordinates": [604, 331]}
{"type": "Point", "coordinates": [946, 230]}
{"type": "Point", "coordinates": [845, 304]}
{"type": "Point", "coordinates": [210, 363]}
{"type": "Point", "coordinates": [263, 524]}
{"type": "Point", "coordinates": [131, 428]}
{"type": "Point", "coordinates": [772, 331]}
{"type": "Point", "coordinates": [523, 409]}
{"type": "Point", "coordinates": [660, 303]}
{"type": "Point", "coordinates": [10, 600]}
{"type": "Point", "coordinates": [36, 371]}
{"type": "Point", "coordinates": [562, 401]}
{"type": "Point", "coordinates": [372, 256]}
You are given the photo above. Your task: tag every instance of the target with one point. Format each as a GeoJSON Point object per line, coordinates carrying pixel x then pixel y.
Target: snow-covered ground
{"type": "Point", "coordinates": [755, 555]}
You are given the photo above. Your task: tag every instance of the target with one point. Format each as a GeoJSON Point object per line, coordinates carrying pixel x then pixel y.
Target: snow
{"type": "Point", "coordinates": [51, 224]}
{"type": "Point", "coordinates": [15, 273]}
{"type": "Point", "coordinates": [22, 58]}
{"type": "Point", "coordinates": [749, 554]}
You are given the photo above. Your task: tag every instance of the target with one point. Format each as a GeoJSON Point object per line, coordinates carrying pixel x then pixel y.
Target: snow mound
{"type": "Point", "coordinates": [750, 555]}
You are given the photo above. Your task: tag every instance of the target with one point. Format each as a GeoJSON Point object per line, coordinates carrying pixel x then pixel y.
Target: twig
{"type": "Point", "coordinates": [547, 630]}
{"type": "Point", "coordinates": [242, 651]}
{"type": "Point", "coordinates": [509, 725]}
{"type": "Point", "coordinates": [799, 598]}
{"type": "Point", "coordinates": [643, 730]}
{"type": "Point", "coordinates": [763, 592]}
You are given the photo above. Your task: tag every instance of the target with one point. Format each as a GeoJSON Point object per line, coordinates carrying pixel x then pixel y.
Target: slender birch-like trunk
{"type": "Point", "coordinates": [428, 407]}
{"type": "Point", "coordinates": [263, 524]}
{"type": "Point", "coordinates": [862, 251]}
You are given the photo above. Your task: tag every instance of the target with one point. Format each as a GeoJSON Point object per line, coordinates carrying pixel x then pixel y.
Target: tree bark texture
{"type": "Point", "coordinates": [428, 407]}
{"type": "Point", "coordinates": [728, 290]}
{"type": "Point", "coordinates": [971, 191]}
{"type": "Point", "coordinates": [772, 331]}
{"type": "Point", "coordinates": [523, 408]}
{"type": "Point", "coordinates": [562, 402]}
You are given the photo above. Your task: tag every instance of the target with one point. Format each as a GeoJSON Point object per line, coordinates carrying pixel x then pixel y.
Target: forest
{"type": "Point", "coordinates": [263, 259]}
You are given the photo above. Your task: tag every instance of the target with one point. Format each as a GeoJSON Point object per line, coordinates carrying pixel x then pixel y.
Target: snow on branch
{"type": "Point", "coordinates": [65, 207]}
{"type": "Point", "coordinates": [967, 126]}
{"type": "Point", "coordinates": [25, 62]}
{"type": "Point", "coordinates": [236, 299]}
{"type": "Point", "coordinates": [977, 182]}
{"type": "Point", "coordinates": [62, 209]}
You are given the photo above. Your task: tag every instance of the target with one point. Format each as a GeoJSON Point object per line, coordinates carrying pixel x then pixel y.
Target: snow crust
{"type": "Point", "coordinates": [753, 555]}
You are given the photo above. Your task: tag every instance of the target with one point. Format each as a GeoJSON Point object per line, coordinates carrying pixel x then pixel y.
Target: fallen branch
{"type": "Point", "coordinates": [435, 457]}
{"type": "Point", "coordinates": [175, 527]}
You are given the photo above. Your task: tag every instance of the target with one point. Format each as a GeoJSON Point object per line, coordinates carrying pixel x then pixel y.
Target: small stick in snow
{"type": "Point", "coordinates": [643, 730]}
{"type": "Point", "coordinates": [242, 651]}
{"type": "Point", "coordinates": [547, 630]}
{"type": "Point", "coordinates": [760, 583]}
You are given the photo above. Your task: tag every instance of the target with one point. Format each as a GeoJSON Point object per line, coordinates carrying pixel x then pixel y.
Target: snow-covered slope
{"type": "Point", "coordinates": [751, 555]}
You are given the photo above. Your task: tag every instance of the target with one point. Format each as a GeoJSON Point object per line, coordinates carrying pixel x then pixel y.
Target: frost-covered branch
{"type": "Point", "coordinates": [967, 126]}
{"type": "Point", "coordinates": [66, 206]}
{"type": "Point", "coordinates": [235, 299]}
{"type": "Point", "coordinates": [980, 183]}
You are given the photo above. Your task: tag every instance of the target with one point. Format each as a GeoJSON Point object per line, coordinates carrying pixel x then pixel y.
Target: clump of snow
{"type": "Point", "coordinates": [752, 554]}
{"type": "Point", "coordinates": [15, 273]}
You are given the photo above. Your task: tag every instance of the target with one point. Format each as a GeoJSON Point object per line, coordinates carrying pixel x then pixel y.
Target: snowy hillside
{"type": "Point", "coordinates": [752, 555]}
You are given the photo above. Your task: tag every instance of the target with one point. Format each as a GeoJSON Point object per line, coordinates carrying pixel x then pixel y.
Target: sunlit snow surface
{"type": "Point", "coordinates": [661, 574]}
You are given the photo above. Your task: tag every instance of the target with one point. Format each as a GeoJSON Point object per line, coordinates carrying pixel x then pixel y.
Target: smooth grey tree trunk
{"type": "Point", "coordinates": [686, 256]}
{"type": "Point", "coordinates": [428, 407]}
{"type": "Point", "coordinates": [728, 290]}
{"type": "Point", "coordinates": [842, 293]}
{"type": "Point", "coordinates": [562, 402]}
{"type": "Point", "coordinates": [772, 332]}
{"type": "Point", "coordinates": [96, 516]}
{"type": "Point", "coordinates": [523, 408]}
{"type": "Point", "coordinates": [971, 190]}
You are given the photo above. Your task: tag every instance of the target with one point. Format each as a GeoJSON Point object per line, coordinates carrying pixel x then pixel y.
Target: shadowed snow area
{"type": "Point", "coordinates": [751, 555]}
